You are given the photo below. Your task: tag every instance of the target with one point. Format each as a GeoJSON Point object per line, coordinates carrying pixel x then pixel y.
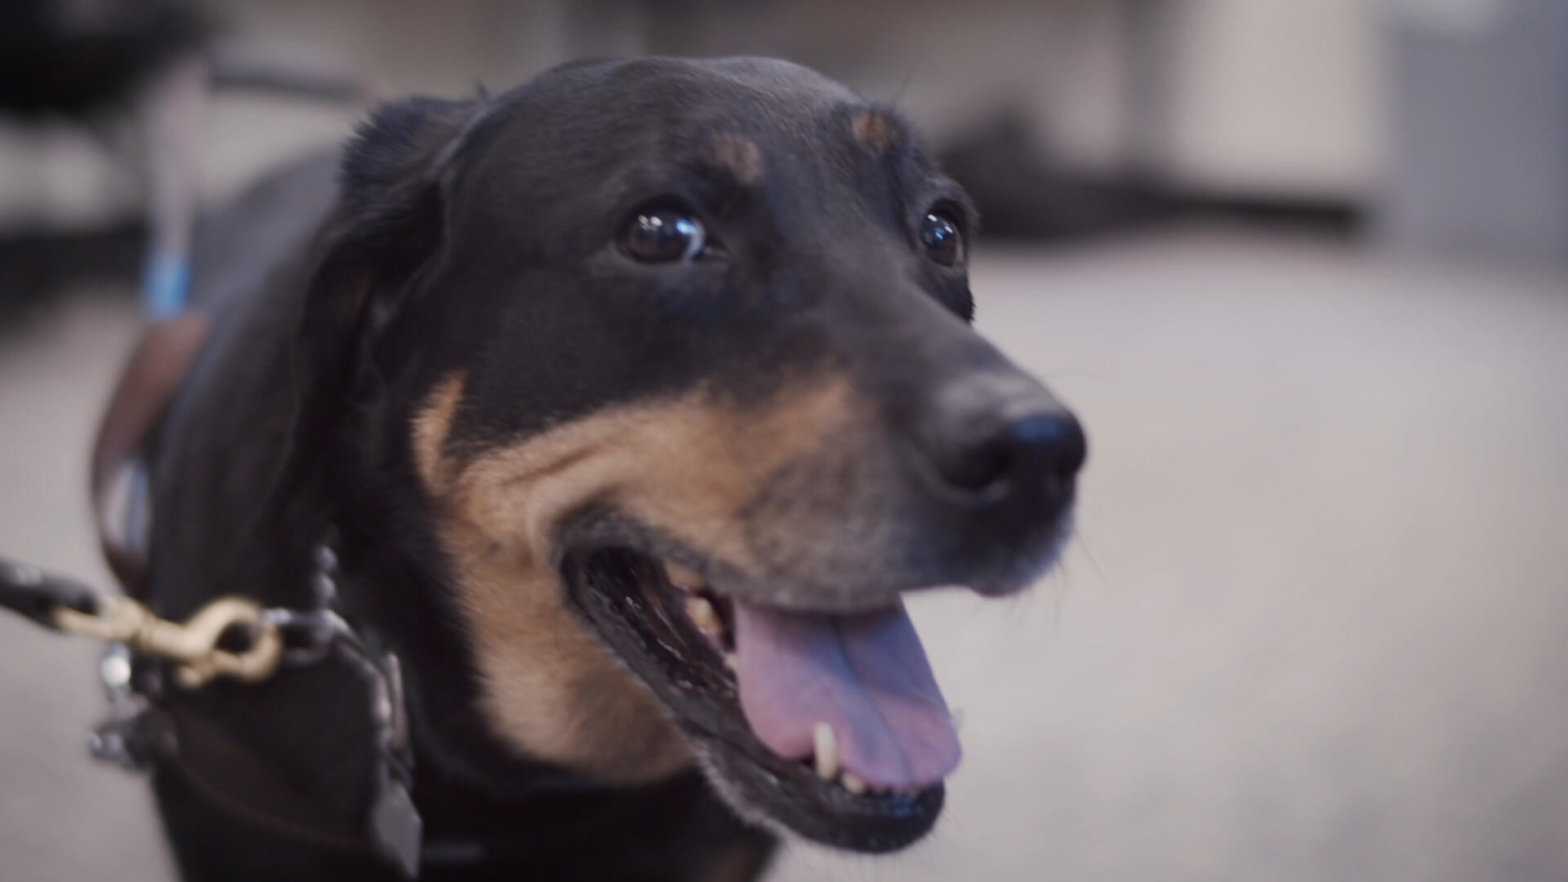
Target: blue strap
{"type": "Point", "coordinates": [166, 285]}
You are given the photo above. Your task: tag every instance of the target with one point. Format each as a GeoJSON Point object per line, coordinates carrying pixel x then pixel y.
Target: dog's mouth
{"type": "Point", "coordinates": [830, 724]}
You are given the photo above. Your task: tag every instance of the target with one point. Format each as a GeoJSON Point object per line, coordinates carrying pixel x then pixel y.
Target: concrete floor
{"type": "Point", "coordinates": [1312, 627]}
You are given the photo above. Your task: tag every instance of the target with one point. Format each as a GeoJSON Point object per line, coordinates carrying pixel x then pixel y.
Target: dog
{"type": "Point", "coordinates": [629, 403]}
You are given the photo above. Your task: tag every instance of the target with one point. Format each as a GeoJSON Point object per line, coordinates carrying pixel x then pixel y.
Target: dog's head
{"type": "Point", "coordinates": [674, 360]}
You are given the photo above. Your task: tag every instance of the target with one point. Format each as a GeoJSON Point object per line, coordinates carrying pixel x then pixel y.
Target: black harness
{"type": "Point", "coordinates": [148, 663]}
{"type": "Point", "coordinates": [152, 667]}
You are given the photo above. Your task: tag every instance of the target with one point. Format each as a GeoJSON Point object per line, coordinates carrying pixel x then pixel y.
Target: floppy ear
{"type": "Point", "coordinates": [385, 229]}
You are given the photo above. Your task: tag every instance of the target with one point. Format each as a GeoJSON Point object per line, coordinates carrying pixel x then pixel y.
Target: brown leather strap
{"type": "Point", "coordinates": [151, 375]}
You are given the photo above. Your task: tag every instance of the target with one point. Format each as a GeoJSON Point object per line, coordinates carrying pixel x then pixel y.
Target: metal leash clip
{"type": "Point", "coordinates": [195, 645]}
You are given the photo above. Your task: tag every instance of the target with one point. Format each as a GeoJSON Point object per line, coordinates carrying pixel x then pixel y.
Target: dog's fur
{"type": "Point", "coordinates": [437, 354]}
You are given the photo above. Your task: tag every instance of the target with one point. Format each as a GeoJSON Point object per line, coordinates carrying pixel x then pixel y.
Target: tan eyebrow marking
{"type": "Point", "coordinates": [740, 156]}
{"type": "Point", "coordinates": [872, 130]}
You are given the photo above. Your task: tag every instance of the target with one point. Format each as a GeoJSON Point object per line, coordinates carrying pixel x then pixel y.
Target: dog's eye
{"type": "Point", "coordinates": [943, 241]}
{"type": "Point", "coordinates": [663, 235]}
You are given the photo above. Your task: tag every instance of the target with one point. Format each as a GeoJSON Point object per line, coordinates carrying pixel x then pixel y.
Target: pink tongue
{"type": "Point", "coordinates": [865, 675]}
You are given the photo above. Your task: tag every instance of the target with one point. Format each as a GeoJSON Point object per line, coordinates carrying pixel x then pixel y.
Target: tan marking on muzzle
{"type": "Point", "coordinates": [739, 156]}
{"type": "Point", "coordinates": [872, 130]}
{"type": "Point", "coordinates": [685, 466]}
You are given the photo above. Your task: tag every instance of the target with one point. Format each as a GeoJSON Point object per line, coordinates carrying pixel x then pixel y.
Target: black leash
{"type": "Point", "coordinates": [40, 597]}
{"type": "Point", "coordinates": [144, 724]}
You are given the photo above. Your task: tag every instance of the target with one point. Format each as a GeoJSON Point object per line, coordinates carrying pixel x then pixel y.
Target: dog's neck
{"type": "Point", "coordinates": [482, 803]}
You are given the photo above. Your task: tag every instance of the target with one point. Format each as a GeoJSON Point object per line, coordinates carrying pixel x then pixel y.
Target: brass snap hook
{"type": "Point", "coordinates": [193, 644]}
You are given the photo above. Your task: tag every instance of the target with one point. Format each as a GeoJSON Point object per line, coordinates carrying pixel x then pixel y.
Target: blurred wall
{"type": "Point", "coordinates": [1447, 118]}
{"type": "Point", "coordinates": [1283, 96]}
{"type": "Point", "coordinates": [1230, 94]}
{"type": "Point", "coordinates": [1480, 126]}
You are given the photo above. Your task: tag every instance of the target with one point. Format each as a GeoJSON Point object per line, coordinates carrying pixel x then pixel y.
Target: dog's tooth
{"type": "Point", "coordinates": [682, 577]}
{"type": "Point", "coordinates": [852, 783]}
{"type": "Point", "coordinates": [731, 660]}
{"type": "Point", "coordinates": [827, 751]}
{"type": "Point", "coordinates": [704, 616]}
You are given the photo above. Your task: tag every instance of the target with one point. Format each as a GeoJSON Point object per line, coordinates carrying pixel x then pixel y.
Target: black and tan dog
{"type": "Point", "coordinates": [635, 399]}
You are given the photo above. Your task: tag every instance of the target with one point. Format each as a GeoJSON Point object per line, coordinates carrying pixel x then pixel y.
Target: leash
{"type": "Point", "coordinates": [234, 638]}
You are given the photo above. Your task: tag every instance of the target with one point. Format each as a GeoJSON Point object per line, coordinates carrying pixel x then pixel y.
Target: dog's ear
{"type": "Point", "coordinates": [388, 221]}
{"type": "Point", "coordinates": [402, 143]}
{"type": "Point", "coordinates": [368, 260]}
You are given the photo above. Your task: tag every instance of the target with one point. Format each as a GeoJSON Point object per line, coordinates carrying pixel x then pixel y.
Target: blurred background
{"type": "Point", "coordinates": [1300, 265]}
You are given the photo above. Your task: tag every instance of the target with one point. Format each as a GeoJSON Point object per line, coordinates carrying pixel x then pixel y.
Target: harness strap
{"type": "Point", "coordinates": [150, 723]}
{"type": "Point", "coordinates": [152, 374]}
{"type": "Point", "coordinates": [229, 776]}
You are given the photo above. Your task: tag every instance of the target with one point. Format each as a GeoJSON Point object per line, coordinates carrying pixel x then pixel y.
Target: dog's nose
{"type": "Point", "coordinates": [1021, 452]}
{"type": "Point", "coordinates": [1036, 453]}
